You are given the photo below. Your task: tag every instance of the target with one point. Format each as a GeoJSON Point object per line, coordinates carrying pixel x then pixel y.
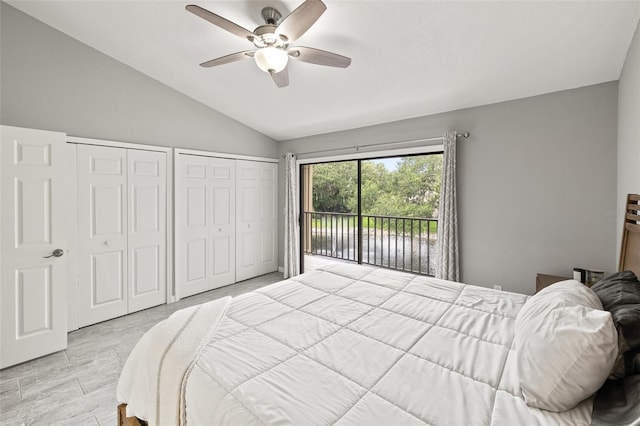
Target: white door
{"type": "Point", "coordinates": [257, 223]}
{"type": "Point", "coordinates": [33, 294]}
{"type": "Point", "coordinates": [102, 233]}
{"type": "Point", "coordinates": [222, 231]}
{"type": "Point", "coordinates": [268, 223]}
{"type": "Point", "coordinates": [205, 223]}
{"type": "Point", "coordinates": [247, 231]}
{"type": "Point", "coordinates": [147, 236]}
{"type": "Point", "coordinates": [192, 225]}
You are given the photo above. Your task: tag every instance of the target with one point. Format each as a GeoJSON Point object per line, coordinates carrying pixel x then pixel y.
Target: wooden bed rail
{"type": "Point", "coordinates": [123, 420]}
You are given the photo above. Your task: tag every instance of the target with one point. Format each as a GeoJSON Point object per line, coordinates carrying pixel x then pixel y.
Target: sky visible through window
{"type": "Point", "coordinates": [391, 164]}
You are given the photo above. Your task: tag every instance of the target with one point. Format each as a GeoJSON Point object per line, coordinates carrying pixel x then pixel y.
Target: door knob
{"type": "Point", "coordinates": [55, 253]}
{"type": "Point", "coordinates": [107, 243]}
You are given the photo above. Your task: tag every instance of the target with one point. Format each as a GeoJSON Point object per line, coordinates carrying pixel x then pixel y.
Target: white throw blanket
{"type": "Point", "coordinates": [168, 351]}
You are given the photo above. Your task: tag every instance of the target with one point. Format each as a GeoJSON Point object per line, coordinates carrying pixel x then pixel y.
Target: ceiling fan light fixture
{"type": "Point", "coordinates": [273, 40]}
{"type": "Point", "coordinates": [271, 59]}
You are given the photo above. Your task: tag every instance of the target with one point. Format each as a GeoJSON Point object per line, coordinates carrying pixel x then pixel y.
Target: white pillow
{"type": "Point", "coordinates": [566, 346]}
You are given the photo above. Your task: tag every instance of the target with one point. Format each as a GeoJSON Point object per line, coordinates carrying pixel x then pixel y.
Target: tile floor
{"type": "Point", "coordinates": [77, 386]}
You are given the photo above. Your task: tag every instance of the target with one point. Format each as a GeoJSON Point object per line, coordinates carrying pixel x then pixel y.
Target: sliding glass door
{"type": "Point", "coordinates": [379, 211]}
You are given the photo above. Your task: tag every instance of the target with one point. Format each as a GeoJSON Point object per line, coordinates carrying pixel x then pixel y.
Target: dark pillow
{"type": "Point", "coordinates": [620, 295]}
{"type": "Point", "coordinates": [617, 403]}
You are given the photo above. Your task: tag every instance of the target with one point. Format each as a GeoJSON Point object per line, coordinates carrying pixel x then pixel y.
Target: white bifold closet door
{"type": "Point", "coordinates": [121, 231]}
{"type": "Point", "coordinates": [147, 236]}
{"type": "Point", "coordinates": [205, 223]}
{"type": "Point", "coordinates": [256, 239]}
{"type": "Point", "coordinates": [102, 233]}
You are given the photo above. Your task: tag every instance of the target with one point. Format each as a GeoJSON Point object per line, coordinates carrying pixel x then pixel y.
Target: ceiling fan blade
{"type": "Point", "coordinates": [281, 79]}
{"type": "Point", "coordinates": [221, 22]}
{"type": "Point", "coordinates": [228, 58]}
{"type": "Point", "coordinates": [301, 19]}
{"type": "Point", "coordinates": [319, 57]}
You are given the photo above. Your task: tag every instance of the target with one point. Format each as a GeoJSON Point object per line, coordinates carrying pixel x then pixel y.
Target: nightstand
{"type": "Point", "coordinates": [545, 280]}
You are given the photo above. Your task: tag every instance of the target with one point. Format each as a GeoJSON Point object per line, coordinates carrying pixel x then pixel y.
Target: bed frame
{"type": "Point", "coordinates": [629, 261]}
{"type": "Point", "coordinates": [123, 420]}
{"type": "Point", "coordinates": [630, 251]}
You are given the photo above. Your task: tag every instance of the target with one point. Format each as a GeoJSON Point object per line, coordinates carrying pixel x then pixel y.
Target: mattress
{"type": "Point", "coordinates": [356, 345]}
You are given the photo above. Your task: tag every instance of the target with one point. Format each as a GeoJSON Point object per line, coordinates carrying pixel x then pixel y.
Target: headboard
{"type": "Point", "coordinates": [630, 252]}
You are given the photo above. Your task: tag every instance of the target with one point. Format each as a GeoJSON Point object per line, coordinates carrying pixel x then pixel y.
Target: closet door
{"type": "Point", "coordinates": [33, 195]}
{"type": "Point", "coordinates": [205, 223]}
{"type": "Point", "coordinates": [268, 223]}
{"type": "Point", "coordinates": [222, 231]}
{"type": "Point", "coordinates": [147, 229]}
{"type": "Point", "coordinates": [192, 207]}
{"type": "Point", "coordinates": [256, 251]}
{"type": "Point", "coordinates": [102, 233]}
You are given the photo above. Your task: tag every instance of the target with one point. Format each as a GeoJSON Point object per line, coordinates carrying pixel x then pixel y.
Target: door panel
{"type": "Point", "coordinates": [267, 211]}
{"type": "Point", "coordinates": [33, 299]}
{"type": "Point", "coordinates": [222, 256]}
{"type": "Point", "coordinates": [191, 211]}
{"type": "Point", "coordinates": [28, 153]}
{"type": "Point", "coordinates": [266, 246]}
{"type": "Point", "coordinates": [247, 230]}
{"type": "Point", "coordinates": [268, 218]}
{"type": "Point", "coordinates": [222, 187]}
{"type": "Point", "coordinates": [222, 207]}
{"type": "Point", "coordinates": [107, 278]}
{"type": "Point", "coordinates": [106, 214]}
{"type": "Point", "coordinates": [146, 208]}
{"type": "Point", "coordinates": [196, 256]}
{"type": "Point", "coordinates": [250, 200]}
{"type": "Point", "coordinates": [33, 198]}
{"type": "Point", "coordinates": [106, 166]}
{"type": "Point", "coordinates": [147, 236]}
{"type": "Point", "coordinates": [102, 233]}
{"type": "Point", "coordinates": [146, 270]}
{"type": "Point", "coordinates": [196, 205]}
{"type": "Point", "coordinates": [258, 223]}
{"type": "Point", "coordinates": [205, 223]}
{"type": "Point", "coordinates": [248, 258]}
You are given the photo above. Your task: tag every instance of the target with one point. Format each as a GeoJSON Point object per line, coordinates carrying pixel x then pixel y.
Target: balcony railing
{"type": "Point", "coordinates": [403, 243]}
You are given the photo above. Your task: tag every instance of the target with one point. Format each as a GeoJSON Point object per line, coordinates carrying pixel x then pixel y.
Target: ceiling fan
{"type": "Point", "coordinates": [272, 40]}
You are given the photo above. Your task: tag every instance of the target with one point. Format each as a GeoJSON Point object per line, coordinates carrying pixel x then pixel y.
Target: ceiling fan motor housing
{"type": "Point", "coordinates": [265, 35]}
{"type": "Point", "coordinates": [271, 15]}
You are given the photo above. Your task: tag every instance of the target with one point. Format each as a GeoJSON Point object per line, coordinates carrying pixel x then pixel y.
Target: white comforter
{"type": "Point", "coordinates": [154, 377]}
{"type": "Point", "coordinates": [354, 345]}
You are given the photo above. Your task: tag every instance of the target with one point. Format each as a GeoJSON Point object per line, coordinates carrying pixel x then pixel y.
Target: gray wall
{"type": "Point", "coordinates": [537, 182]}
{"type": "Point", "coordinates": [51, 81]}
{"type": "Point", "coordinates": [629, 129]}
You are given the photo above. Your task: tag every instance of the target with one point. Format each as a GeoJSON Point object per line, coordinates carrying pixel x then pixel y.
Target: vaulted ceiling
{"type": "Point", "coordinates": [409, 58]}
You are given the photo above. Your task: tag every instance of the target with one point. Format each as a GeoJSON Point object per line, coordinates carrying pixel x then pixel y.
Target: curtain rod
{"type": "Point", "coordinates": [357, 148]}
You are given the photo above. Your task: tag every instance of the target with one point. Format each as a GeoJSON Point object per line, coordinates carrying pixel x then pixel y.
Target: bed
{"type": "Point", "coordinates": [351, 344]}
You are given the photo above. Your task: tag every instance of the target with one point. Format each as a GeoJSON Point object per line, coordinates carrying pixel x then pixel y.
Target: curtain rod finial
{"type": "Point", "coordinates": [465, 134]}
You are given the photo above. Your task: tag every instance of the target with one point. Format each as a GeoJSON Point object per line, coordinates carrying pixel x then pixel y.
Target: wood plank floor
{"type": "Point", "coordinates": [77, 386]}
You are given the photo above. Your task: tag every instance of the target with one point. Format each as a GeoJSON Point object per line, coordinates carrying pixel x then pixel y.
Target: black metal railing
{"type": "Point", "coordinates": [403, 243]}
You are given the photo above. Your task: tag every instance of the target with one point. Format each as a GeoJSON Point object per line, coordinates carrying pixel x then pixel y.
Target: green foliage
{"type": "Point", "coordinates": [416, 186]}
{"type": "Point", "coordinates": [412, 190]}
{"type": "Point", "coordinates": [335, 187]}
